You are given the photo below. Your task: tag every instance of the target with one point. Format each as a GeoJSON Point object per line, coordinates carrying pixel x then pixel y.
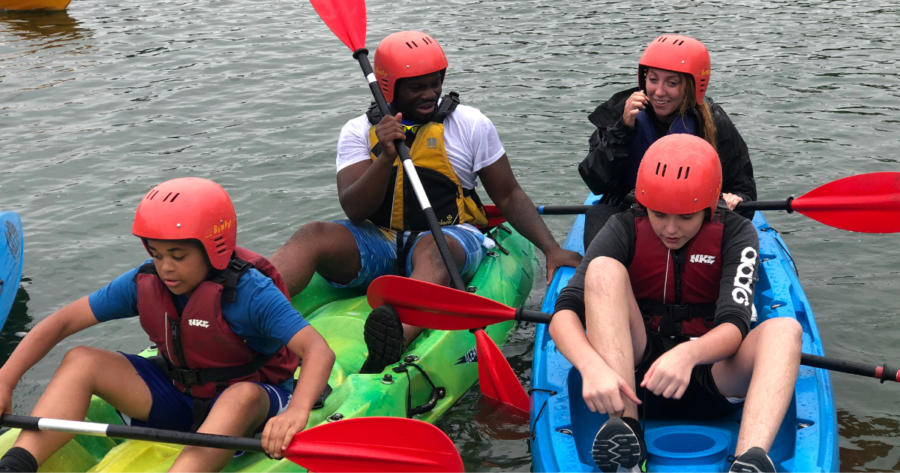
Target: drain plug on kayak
{"type": "Point", "coordinates": [335, 417]}
{"type": "Point", "coordinates": [388, 379]}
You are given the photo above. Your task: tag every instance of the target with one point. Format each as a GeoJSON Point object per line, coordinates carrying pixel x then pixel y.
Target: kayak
{"type": "Point", "coordinates": [438, 368]}
{"type": "Point", "coordinates": [12, 254]}
{"type": "Point", "coordinates": [563, 428]}
{"type": "Point", "coordinates": [50, 5]}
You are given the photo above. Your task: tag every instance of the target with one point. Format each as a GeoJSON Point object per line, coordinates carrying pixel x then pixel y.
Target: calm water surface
{"type": "Point", "coordinates": [99, 103]}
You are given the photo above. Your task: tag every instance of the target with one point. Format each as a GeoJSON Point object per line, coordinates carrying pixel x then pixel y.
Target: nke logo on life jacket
{"type": "Point", "coordinates": [198, 323]}
{"type": "Point", "coordinates": [708, 259]}
{"type": "Point", "coordinates": [742, 294]}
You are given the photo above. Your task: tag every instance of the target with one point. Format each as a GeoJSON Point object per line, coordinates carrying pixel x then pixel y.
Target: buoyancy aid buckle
{"type": "Point", "coordinates": [671, 316]}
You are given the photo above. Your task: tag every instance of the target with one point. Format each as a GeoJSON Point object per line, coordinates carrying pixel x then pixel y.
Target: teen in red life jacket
{"type": "Point", "coordinates": [662, 301]}
{"type": "Point", "coordinates": [205, 307]}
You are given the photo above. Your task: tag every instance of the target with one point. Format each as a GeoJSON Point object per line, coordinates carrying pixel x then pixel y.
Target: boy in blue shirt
{"type": "Point", "coordinates": [229, 340]}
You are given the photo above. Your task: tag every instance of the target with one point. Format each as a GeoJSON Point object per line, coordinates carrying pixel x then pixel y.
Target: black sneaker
{"type": "Point", "coordinates": [753, 460]}
{"type": "Point", "coordinates": [619, 444]}
{"type": "Point", "coordinates": [384, 339]}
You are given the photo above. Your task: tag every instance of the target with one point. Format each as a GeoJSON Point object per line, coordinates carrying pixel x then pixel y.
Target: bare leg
{"type": "Point", "coordinates": [429, 266]}
{"type": "Point", "coordinates": [615, 326]}
{"type": "Point", "coordinates": [83, 372]}
{"type": "Point", "coordinates": [324, 247]}
{"type": "Point", "coordinates": [238, 412]}
{"type": "Point", "coordinates": [764, 369]}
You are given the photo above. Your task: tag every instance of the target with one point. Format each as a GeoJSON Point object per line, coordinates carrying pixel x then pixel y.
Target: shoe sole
{"type": "Point", "coordinates": [383, 334]}
{"type": "Point", "coordinates": [616, 445]}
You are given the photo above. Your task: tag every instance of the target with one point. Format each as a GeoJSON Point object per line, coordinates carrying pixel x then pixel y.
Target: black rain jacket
{"type": "Point", "coordinates": [607, 161]}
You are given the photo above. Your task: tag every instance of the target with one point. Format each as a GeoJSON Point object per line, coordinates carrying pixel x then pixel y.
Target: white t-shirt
{"type": "Point", "coordinates": [470, 138]}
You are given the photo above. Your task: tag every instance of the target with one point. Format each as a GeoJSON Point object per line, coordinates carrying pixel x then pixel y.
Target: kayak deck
{"type": "Point", "coordinates": [448, 358]}
{"type": "Point", "coordinates": [564, 428]}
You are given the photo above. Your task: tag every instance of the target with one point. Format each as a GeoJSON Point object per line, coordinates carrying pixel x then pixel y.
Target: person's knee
{"type": "Point", "coordinates": [602, 271]}
{"type": "Point", "coordinates": [785, 329]}
{"type": "Point", "coordinates": [313, 232]}
{"type": "Point", "coordinates": [82, 357]}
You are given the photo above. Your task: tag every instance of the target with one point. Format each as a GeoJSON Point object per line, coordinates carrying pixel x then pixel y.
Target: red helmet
{"type": "Point", "coordinates": [680, 54]}
{"type": "Point", "coordinates": [680, 174]}
{"type": "Point", "coordinates": [189, 208]}
{"type": "Point", "coordinates": [406, 54]}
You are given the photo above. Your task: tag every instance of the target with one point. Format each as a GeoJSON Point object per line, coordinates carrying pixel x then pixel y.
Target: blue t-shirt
{"type": "Point", "coordinates": [260, 313]}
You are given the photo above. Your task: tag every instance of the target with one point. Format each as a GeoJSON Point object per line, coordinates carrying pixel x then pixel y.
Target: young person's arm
{"type": "Point", "coordinates": [518, 209]}
{"type": "Point", "coordinates": [71, 319]}
{"type": "Point", "coordinates": [318, 360]}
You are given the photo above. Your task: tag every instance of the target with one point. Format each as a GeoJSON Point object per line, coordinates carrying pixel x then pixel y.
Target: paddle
{"type": "Point", "coordinates": [428, 305]}
{"type": "Point", "coordinates": [867, 203]}
{"type": "Point", "coordinates": [360, 444]}
{"type": "Point", "coordinates": [347, 20]}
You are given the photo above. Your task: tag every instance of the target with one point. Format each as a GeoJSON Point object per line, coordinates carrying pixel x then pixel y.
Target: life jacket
{"type": "Point", "coordinates": [645, 135]}
{"type": "Point", "coordinates": [677, 290]}
{"type": "Point", "coordinates": [197, 348]}
{"type": "Point", "coordinates": [452, 203]}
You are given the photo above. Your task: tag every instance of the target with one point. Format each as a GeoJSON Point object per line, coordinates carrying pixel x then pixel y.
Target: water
{"type": "Point", "coordinates": [99, 103]}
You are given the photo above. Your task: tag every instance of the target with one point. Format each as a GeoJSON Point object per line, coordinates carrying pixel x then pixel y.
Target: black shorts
{"type": "Point", "coordinates": [701, 400]}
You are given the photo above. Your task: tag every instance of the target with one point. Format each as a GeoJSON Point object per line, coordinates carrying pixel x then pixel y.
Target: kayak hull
{"type": "Point", "coordinates": [564, 428]}
{"type": "Point", "coordinates": [448, 359]}
{"type": "Point", "coordinates": [12, 256]}
{"type": "Point", "coordinates": [51, 5]}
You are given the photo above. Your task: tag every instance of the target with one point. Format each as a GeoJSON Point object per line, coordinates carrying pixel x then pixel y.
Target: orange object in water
{"type": "Point", "coordinates": [34, 4]}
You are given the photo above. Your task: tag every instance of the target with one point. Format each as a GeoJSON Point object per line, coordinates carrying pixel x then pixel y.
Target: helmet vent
{"type": "Point", "coordinates": [426, 41]}
{"type": "Point", "coordinates": [680, 42]}
{"type": "Point", "coordinates": [166, 199]}
{"type": "Point", "coordinates": [686, 172]}
{"type": "Point", "coordinates": [151, 195]}
{"type": "Point", "coordinates": [220, 244]}
{"type": "Point", "coordinates": [413, 45]}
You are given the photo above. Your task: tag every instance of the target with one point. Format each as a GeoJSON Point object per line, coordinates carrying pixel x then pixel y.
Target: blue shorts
{"type": "Point", "coordinates": [174, 410]}
{"type": "Point", "coordinates": [378, 251]}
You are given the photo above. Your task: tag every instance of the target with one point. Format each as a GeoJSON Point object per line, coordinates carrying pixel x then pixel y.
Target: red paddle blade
{"type": "Point", "coordinates": [374, 444]}
{"type": "Point", "coordinates": [496, 377]}
{"type": "Point", "coordinates": [345, 18]}
{"type": "Point", "coordinates": [868, 203]}
{"type": "Point", "coordinates": [428, 305]}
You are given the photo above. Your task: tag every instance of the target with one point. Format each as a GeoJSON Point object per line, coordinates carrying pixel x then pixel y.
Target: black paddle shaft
{"type": "Point", "coordinates": [878, 372]}
{"type": "Point", "coordinates": [362, 55]}
{"type": "Point", "coordinates": [871, 371]}
{"type": "Point", "coordinates": [743, 206]}
{"type": "Point", "coordinates": [136, 433]}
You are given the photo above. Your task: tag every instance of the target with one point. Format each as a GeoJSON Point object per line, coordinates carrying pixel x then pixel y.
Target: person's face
{"type": "Point", "coordinates": [181, 265]}
{"type": "Point", "coordinates": [665, 89]}
{"type": "Point", "coordinates": [675, 230]}
{"type": "Point", "coordinates": [417, 97]}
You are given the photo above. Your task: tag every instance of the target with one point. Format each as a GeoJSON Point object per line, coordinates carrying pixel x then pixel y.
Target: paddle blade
{"type": "Point", "coordinates": [496, 377]}
{"type": "Point", "coordinates": [374, 444]}
{"type": "Point", "coordinates": [345, 18]}
{"type": "Point", "coordinates": [867, 203]}
{"type": "Point", "coordinates": [428, 305]}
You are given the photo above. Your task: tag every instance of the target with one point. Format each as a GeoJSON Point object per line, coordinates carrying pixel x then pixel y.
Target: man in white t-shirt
{"type": "Point", "coordinates": [386, 231]}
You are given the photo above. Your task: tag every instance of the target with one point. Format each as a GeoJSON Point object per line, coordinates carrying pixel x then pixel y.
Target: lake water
{"type": "Point", "coordinates": [105, 100]}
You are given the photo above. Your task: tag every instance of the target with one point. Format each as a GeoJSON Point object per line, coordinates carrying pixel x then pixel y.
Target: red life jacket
{"type": "Point", "coordinates": [677, 290]}
{"type": "Point", "coordinates": [197, 348]}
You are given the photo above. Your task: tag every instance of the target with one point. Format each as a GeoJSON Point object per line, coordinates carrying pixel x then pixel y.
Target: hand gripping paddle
{"type": "Point", "coordinates": [360, 444]}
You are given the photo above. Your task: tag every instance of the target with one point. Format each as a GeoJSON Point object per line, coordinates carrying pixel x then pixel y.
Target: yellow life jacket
{"type": "Point", "coordinates": [452, 203]}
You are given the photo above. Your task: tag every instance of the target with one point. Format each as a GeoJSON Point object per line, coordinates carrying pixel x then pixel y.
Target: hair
{"type": "Point", "coordinates": [689, 101]}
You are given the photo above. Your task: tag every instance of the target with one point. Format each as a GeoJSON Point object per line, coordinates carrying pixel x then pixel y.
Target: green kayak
{"type": "Point", "coordinates": [447, 359]}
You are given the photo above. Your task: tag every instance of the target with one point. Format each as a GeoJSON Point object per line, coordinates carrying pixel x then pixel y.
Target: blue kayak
{"type": "Point", "coordinates": [12, 252]}
{"type": "Point", "coordinates": [564, 428]}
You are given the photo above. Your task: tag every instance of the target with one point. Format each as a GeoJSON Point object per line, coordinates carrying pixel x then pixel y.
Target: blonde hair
{"type": "Point", "coordinates": [689, 101]}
